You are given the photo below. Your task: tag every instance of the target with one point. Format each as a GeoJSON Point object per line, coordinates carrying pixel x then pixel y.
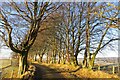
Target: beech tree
{"type": "Point", "coordinates": [87, 25]}
{"type": "Point", "coordinates": [47, 32]}
{"type": "Point", "coordinates": [19, 26]}
{"type": "Point", "coordinates": [98, 30]}
{"type": "Point", "coordinates": [74, 27]}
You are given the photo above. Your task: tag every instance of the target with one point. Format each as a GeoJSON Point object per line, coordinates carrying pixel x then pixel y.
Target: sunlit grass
{"type": "Point", "coordinates": [62, 67]}
{"type": "Point", "coordinates": [80, 73]}
{"type": "Point", "coordinates": [4, 62]}
{"type": "Point", "coordinates": [86, 73]}
{"type": "Point", "coordinates": [12, 70]}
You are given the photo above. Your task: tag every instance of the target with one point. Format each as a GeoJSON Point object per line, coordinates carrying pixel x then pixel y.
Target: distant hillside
{"type": "Point", "coordinates": [104, 60]}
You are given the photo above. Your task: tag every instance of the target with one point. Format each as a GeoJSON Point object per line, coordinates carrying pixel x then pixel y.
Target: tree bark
{"type": "Point", "coordinates": [87, 55]}
{"type": "Point", "coordinates": [76, 60]}
{"type": "Point", "coordinates": [41, 56]}
{"type": "Point", "coordinates": [63, 57]}
{"type": "Point", "coordinates": [91, 61]}
{"type": "Point", "coordinates": [85, 60]}
{"type": "Point", "coordinates": [59, 57]}
{"type": "Point", "coordinates": [67, 57]}
{"type": "Point", "coordinates": [73, 61]}
{"type": "Point", "coordinates": [47, 61]}
{"type": "Point", "coordinates": [23, 62]}
{"type": "Point", "coordinates": [54, 57]}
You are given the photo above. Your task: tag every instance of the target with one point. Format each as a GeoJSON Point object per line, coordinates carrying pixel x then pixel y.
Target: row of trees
{"type": "Point", "coordinates": [61, 30]}
{"type": "Point", "coordinates": [85, 28]}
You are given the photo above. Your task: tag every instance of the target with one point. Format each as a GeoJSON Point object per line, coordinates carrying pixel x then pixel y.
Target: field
{"type": "Point", "coordinates": [4, 63]}
{"type": "Point", "coordinates": [9, 67]}
{"type": "Point", "coordinates": [105, 64]}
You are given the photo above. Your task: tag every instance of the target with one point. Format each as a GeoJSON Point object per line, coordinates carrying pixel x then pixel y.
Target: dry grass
{"type": "Point", "coordinates": [4, 63]}
{"type": "Point", "coordinates": [86, 73]}
{"type": "Point", "coordinates": [7, 72]}
{"type": "Point", "coordinates": [81, 73]}
{"type": "Point", "coordinates": [11, 71]}
{"type": "Point", "coordinates": [62, 67]}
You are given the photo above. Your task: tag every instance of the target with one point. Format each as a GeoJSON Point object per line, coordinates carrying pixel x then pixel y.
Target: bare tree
{"type": "Point", "coordinates": [47, 32]}
{"type": "Point", "coordinates": [20, 23]}
{"type": "Point", "coordinates": [87, 26]}
{"type": "Point", "coordinates": [99, 35]}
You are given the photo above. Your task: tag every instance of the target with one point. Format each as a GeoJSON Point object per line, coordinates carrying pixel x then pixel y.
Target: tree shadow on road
{"type": "Point", "coordinates": [46, 73]}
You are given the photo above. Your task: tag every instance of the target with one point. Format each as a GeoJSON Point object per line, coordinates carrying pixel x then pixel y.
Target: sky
{"type": "Point", "coordinates": [62, 0]}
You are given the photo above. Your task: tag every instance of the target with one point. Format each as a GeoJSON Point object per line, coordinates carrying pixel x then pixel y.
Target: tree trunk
{"type": "Point", "coordinates": [41, 56]}
{"type": "Point", "coordinates": [23, 63]}
{"type": "Point", "coordinates": [91, 61]}
{"type": "Point", "coordinates": [87, 36]}
{"type": "Point", "coordinates": [59, 57]}
{"type": "Point", "coordinates": [47, 61]}
{"type": "Point", "coordinates": [76, 59]}
{"type": "Point", "coordinates": [85, 60]}
{"type": "Point", "coordinates": [63, 58]}
{"type": "Point", "coordinates": [54, 57]}
{"type": "Point", "coordinates": [84, 63]}
{"type": "Point", "coordinates": [73, 61]}
{"type": "Point", "coordinates": [67, 57]}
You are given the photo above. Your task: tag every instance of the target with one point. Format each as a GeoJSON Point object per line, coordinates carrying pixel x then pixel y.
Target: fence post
{"type": "Point", "coordinates": [113, 70]}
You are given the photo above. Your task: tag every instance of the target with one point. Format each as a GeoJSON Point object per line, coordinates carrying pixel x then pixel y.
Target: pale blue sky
{"type": "Point", "coordinates": [62, 0]}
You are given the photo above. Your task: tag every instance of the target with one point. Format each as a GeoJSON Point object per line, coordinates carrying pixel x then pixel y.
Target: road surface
{"type": "Point", "coordinates": [43, 72]}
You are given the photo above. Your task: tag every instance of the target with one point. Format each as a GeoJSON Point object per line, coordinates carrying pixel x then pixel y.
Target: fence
{"type": "Point", "coordinates": [111, 69]}
{"type": "Point", "coordinates": [6, 64]}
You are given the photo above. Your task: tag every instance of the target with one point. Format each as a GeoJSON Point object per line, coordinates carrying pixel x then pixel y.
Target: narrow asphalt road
{"type": "Point", "coordinates": [43, 72]}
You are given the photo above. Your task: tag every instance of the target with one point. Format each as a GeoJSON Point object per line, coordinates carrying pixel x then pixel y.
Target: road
{"type": "Point", "coordinates": [43, 72]}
